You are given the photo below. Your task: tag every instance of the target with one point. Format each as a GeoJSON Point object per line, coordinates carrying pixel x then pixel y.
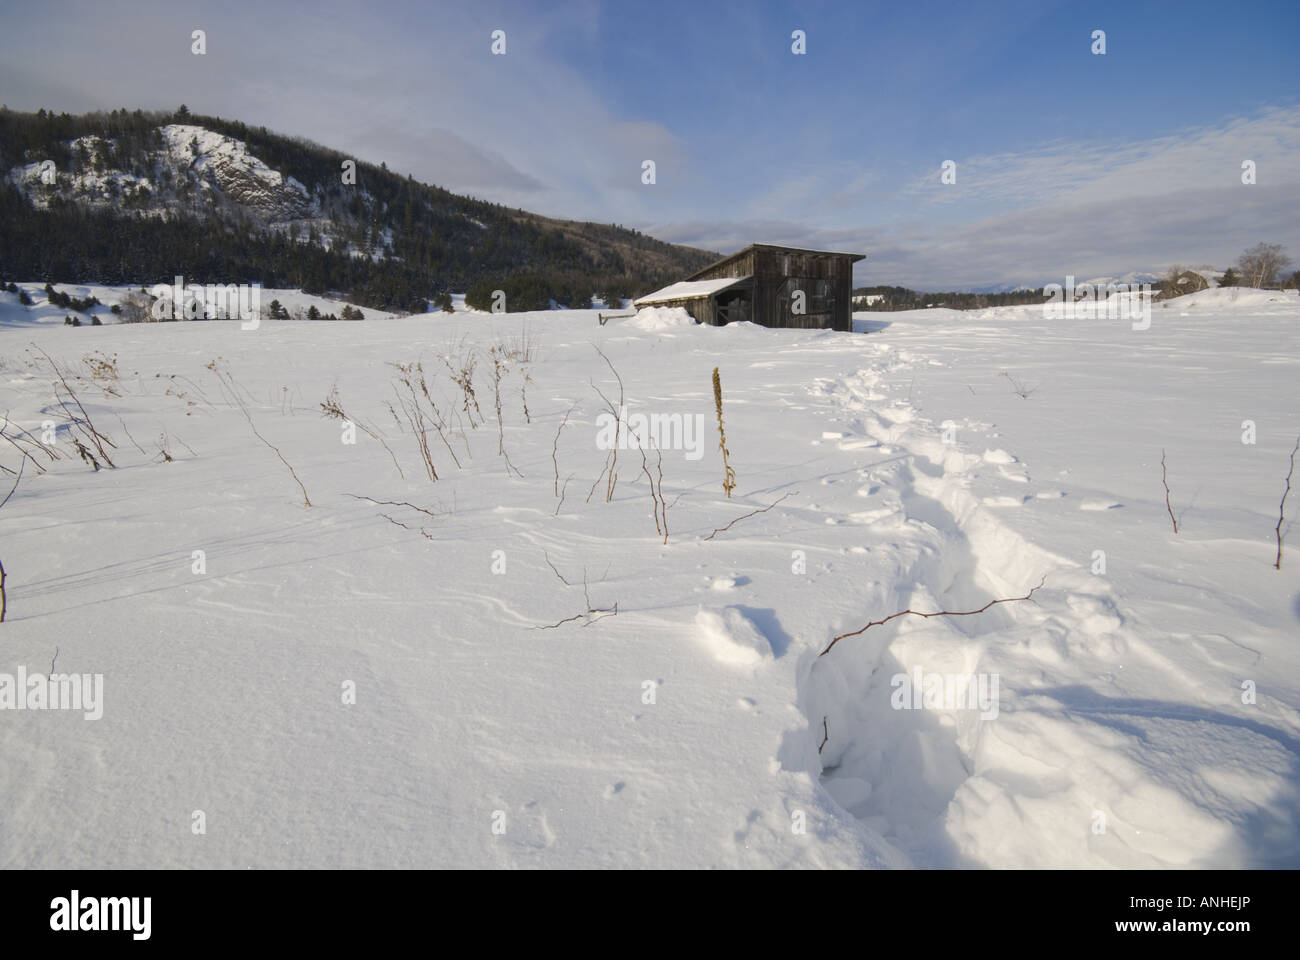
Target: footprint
{"type": "Point", "coordinates": [1002, 501]}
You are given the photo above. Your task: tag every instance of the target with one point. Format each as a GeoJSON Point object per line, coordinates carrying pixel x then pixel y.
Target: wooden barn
{"type": "Point", "coordinates": [762, 283]}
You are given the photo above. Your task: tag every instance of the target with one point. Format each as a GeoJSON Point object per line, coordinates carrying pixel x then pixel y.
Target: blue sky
{"type": "Point", "coordinates": [1066, 162]}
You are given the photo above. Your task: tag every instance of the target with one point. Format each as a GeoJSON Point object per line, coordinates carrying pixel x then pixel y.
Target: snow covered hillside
{"type": "Point", "coordinates": [191, 160]}
{"type": "Point", "coordinates": [516, 664]}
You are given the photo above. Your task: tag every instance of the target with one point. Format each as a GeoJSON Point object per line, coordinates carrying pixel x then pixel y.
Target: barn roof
{"type": "Point", "coordinates": [689, 290]}
{"type": "Point", "coordinates": [853, 257]}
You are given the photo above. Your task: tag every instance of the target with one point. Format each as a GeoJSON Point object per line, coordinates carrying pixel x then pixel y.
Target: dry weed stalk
{"type": "Point", "coordinates": [411, 376]}
{"type": "Point", "coordinates": [25, 443]}
{"type": "Point", "coordinates": [84, 424]}
{"type": "Point", "coordinates": [499, 359]}
{"type": "Point", "coordinates": [555, 447]}
{"type": "Point", "coordinates": [4, 597]}
{"type": "Point", "coordinates": [462, 374]}
{"type": "Point", "coordinates": [610, 471]}
{"type": "Point", "coordinates": [332, 408]}
{"type": "Point", "coordinates": [229, 385]}
{"type": "Point", "coordinates": [729, 475]}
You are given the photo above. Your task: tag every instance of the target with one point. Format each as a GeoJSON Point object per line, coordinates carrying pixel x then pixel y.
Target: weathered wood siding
{"type": "Point", "coordinates": [741, 265]}
{"type": "Point", "coordinates": [826, 280]}
{"type": "Point", "coordinates": [701, 308]}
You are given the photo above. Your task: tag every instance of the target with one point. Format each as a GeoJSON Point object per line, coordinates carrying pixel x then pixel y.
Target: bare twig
{"type": "Point", "coordinates": [1020, 390]}
{"type": "Point", "coordinates": [423, 532]}
{"type": "Point", "coordinates": [555, 447]}
{"type": "Point", "coordinates": [18, 478]}
{"type": "Point", "coordinates": [4, 598]}
{"type": "Point", "coordinates": [555, 571]}
{"type": "Point", "coordinates": [1164, 478]}
{"type": "Point", "coordinates": [936, 613]}
{"type": "Point", "coordinates": [128, 432]}
{"type": "Point", "coordinates": [415, 417]}
{"type": "Point", "coordinates": [332, 408]}
{"type": "Point", "coordinates": [612, 481]}
{"type": "Point", "coordinates": [227, 381]}
{"type": "Point", "coordinates": [1281, 509]}
{"type": "Point", "coordinates": [393, 503]}
{"type": "Point", "coordinates": [85, 425]}
{"type": "Point", "coordinates": [499, 355]}
{"type": "Point", "coordinates": [585, 616]}
{"type": "Point", "coordinates": [750, 514]}
{"type": "Point", "coordinates": [826, 735]}
{"type": "Point", "coordinates": [49, 452]}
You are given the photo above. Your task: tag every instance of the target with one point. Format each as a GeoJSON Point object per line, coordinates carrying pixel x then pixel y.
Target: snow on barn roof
{"type": "Point", "coordinates": [689, 290]}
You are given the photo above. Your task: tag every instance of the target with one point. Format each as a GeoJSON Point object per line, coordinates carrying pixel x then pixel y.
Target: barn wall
{"type": "Point", "coordinates": [741, 266]}
{"type": "Point", "coordinates": [774, 267]}
{"type": "Point", "coordinates": [771, 267]}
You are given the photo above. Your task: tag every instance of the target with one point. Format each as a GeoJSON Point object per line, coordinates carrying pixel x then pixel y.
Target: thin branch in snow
{"type": "Point", "coordinates": [228, 382]}
{"type": "Point", "coordinates": [1164, 478]}
{"type": "Point", "coordinates": [750, 514]}
{"type": "Point", "coordinates": [936, 613]}
{"type": "Point", "coordinates": [1281, 508]}
{"type": "Point", "coordinates": [394, 503]}
{"type": "Point", "coordinates": [555, 447]}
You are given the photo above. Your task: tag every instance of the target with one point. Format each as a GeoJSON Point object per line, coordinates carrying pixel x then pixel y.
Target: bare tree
{"type": "Point", "coordinates": [1261, 264]}
{"type": "Point", "coordinates": [135, 308]}
{"type": "Point", "coordinates": [1169, 282]}
{"type": "Point", "coordinates": [1179, 280]}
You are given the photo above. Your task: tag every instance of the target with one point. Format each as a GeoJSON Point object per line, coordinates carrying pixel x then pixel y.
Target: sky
{"type": "Point", "coordinates": [1065, 161]}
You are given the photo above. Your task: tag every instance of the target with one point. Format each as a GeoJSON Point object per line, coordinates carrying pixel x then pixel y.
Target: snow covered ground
{"type": "Point", "coordinates": [1144, 713]}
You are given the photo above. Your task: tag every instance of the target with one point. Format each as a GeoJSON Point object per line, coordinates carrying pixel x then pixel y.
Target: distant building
{"type": "Point", "coordinates": [770, 285]}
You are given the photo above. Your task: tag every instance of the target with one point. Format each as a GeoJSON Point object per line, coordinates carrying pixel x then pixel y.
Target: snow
{"type": "Point", "coordinates": [651, 319]}
{"type": "Point", "coordinates": [732, 637]}
{"type": "Point", "coordinates": [12, 314]}
{"type": "Point", "coordinates": [215, 151]}
{"type": "Point", "coordinates": [696, 726]}
{"type": "Point", "coordinates": [687, 289]}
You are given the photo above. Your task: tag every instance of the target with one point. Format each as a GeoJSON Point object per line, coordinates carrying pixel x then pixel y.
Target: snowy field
{"type": "Point", "coordinates": [411, 673]}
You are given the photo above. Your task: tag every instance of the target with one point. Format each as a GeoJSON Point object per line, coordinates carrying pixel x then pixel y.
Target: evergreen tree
{"type": "Point", "coordinates": [1229, 278]}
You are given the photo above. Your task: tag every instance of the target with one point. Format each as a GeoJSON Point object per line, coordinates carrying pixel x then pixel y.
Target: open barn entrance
{"type": "Point", "coordinates": [734, 304]}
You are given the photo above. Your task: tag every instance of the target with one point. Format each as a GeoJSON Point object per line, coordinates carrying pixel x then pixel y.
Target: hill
{"type": "Point", "coordinates": [137, 197]}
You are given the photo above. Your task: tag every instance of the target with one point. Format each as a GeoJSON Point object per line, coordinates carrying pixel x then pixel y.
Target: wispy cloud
{"type": "Point", "coordinates": [1108, 168]}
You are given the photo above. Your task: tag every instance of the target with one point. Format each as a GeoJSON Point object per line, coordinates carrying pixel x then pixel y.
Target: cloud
{"type": "Point", "coordinates": [1108, 169]}
{"type": "Point", "coordinates": [412, 85]}
{"type": "Point", "coordinates": [415, 85]}
{"type": "Point", "coordinates": [1040, 245]}
{"type": "Point", "coordinates": [458, 161]}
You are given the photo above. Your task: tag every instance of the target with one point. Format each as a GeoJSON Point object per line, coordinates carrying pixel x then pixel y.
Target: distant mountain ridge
{"type": "Point", "coordinates": [136, 197]}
